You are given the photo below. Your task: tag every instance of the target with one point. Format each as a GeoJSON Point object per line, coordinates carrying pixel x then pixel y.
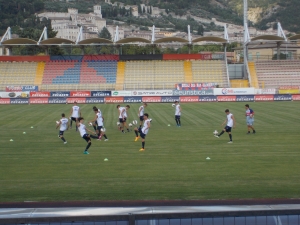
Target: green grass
{"type": "Point", "coordinates": [37, 166]}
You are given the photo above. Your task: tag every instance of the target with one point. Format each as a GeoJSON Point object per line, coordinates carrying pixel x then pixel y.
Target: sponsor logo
{"type": "Point", "coordinates": [4, 101]}
{"type": "Point", "coordinates": [19, 101]}
{"type": "Point", "coordinates": [153, 93]}
{"type": "Point", "coordinates": [193, 92]}
{"type": "Point", "coordinates": [13, 88]}
{"type": "Point", "coordinates": [100, 93]}
{"type": "Point", "coordinates": [57, 101]}
{"type": "Point", "coordinates": [114, 99]}
{"type": "Point", "coordinates": [38, 100]}
{"type": "Point", "coordinates": [268, 91]}
{"type": "Point", "coordinates": [245, 98]}
{"type": "Point", "coordinates": [95, 100]}
{"type": "Point", "coordinates": [151, 99]}
{"type": "Point", "coordinates": [233, 91]}
{"type": "Point", "coordinates": [40, 94]}
{"type": "Point", "coordinates": [263, 98]}
{"type": "Point", "coordinates": [282, 97]}
{"type": "Point", "coordinates": [230, 98]}
{"type": "Point", "coordinates": [132, 99]}
{"type": "Point", "coordinates": [169, 99]}
{"type": "Point", "coordinates": [296, 97]}
{"type": "Point", "coordinates": [80, 94]}
{"type": "Point", "coordinates": [60, 94]}
{"type": "Point", "coordinates": [189, 98]}
{"type": "Point", "coordinates": [78, 100]}
{"type": "Point", "coordinates": [30, 88]}
{"type": "Point", "coordinates": [210, 98]}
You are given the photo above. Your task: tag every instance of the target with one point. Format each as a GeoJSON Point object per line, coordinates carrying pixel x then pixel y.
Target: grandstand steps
{"type": "Point", "coordinates": [239, 83]}
{"type": "Point", "coordinates": [253, 75]}
{"type": "Point", "coordinates": [188, 74]}
{"type": "Point", "coordinates": [120, 75]}
{"type": "Point", "coordinates": [39, 73]}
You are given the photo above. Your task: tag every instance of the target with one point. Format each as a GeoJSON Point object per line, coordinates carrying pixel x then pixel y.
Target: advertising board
{"type": "Point", "coordinates": [60, 94]}
{"type": "Point", "coordinates": [169, 99]}
{"type": "Point", "coordinates": [114, 100]}
{"type": "Point", "coordinates": [121, 93]}
{"type": "Point", "coordinates": [57, 100]}
{"type": "Point", "coordinates": [151, 99]}
{"type": "Point", "coordinates": [282, 97]}
{"type": "Point", "coordinates": [193, 92]}
{"type": "Point", "coordinates": [296, 97]}
{"type": "Point", "coordinates": [24, 94]}
{"type": "Point", "coordinates": [100, 93]}
{"type": "Point", "coordinates": [152, 93]}
{"type": "Point", "coordinates": [19, 100]}
{"type": "Point", "coordinates": [80, 94]}
{"type": "Point", "coordinates": [4, 101]}
{"type": "Point", "coordinates": [195, 86]}
{"type": "Point", "coordinates": [228, 98]}
{"type": "Point", "coordinates": [234, 91]}
{"type": "Point", "coordinates": [245, 98]}
{"type": "Point", "coordinates": [78, 100]}
{"type": "Point", "coordinates": [189, 98]}
{"type": "Point", "coordinates": [94, 100]}
{"type": "Point", "coordinates": [38, 100]}
{"type": "Point", "coordinates": [40, 94]}
{"type": "Point", "coordinates": [208, 98]}
{"type": "Point", "coordinates": [132, 99]}
{"type": "Point", "coordinates": [21, 88]}
{"type": "Point", "coordinates": [260, 98]}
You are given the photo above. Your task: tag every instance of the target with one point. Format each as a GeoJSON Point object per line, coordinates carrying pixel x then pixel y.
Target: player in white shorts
{"type": "Point", "coordinates": [63, 126]}
{"type": "Point", "coordinates": [143, 131]}
{"type": "Point", "coordinates": [98, 119]}
{"type": "Point", "coordinates": [230, 123]}
{"type": "Point", "coordinates": [83, 133]}
{"type": "Point", "coordinates": [141, 113]}
{"type": "Point", "coordinates": [177, 113]}
{"type": "Point", "coordinates": [123, 117]}
{"type": "Point", "coordinates": [75, 114]}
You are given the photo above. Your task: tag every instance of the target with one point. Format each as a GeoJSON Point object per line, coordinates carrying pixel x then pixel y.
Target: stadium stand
{"type": "Point", "coordinates": [253, 75]}
{"type": "Point", "coordinates": [39, 73]}
{"type": "Point", "coordinates": [210, 71]}
{"type": "Point", "coordinates": [276, 73]}
{"type": "Point", "coordinates": [188, 73]}
{"type": "Point", "coordinates": [153, 74]}
{"type": "Point", "coordinates": [239, 83]}
{"type": "Point", "coordinates": [120, 76]}
{"type": "Point", "coordinates": [14, 73]}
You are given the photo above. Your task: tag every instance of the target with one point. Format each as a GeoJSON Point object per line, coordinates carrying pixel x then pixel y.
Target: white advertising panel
{"type": "Point", "coordinates": [23, 94]}
{"type": "Point", "coordinates": [234, 91]}
{"type": "Point", "coordinates": [121, 93]}
{"type": "Point", "coordinates": [152, 93]}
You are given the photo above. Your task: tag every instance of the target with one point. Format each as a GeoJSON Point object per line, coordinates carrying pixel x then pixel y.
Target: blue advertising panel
{"type": "Point", "coordinates": [245, 98]}
{"type": "Point", "coordinates": [19, 100]}
{"type": "Point", "coordinates": [209, 98]}
{"type": "Point", "coordinates": [60, 94]}
{"type": "Point", "coordinates": [283, 97]}
{"type": "Point", "coordinates": [94, 100]}
{"type": "Point", "coordinates": [30, 88]}
{"type": "Point", "coordinates": [133, 99]}
{"type": "Point", "coordinates": [100, 93]}
{"type": "Point", "coordinates": [169, 98]}
{"type": "Point", "coordinates": [57, 100]}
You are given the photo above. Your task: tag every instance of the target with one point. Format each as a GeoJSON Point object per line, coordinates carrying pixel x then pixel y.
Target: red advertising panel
{"type": "Point", "coordinates": [13, 88]}
{"type": "Point", "coordinates": [296, 97]}
{"type": "Point", "coordinates": [261, 98]}
{"type": "Point", "coordinates": [227, 98]}
{"type": "Point", "coordinates": [151, 99]}
{"type": "Point", "coordinates": [38, 100]}
{"type": "Point", "coordinates": [180, 56]}
{"type": "Point", "coordinates": [114, 99]}
{"type": "Point", "coordinates": [40, 94]}
{"type": "Point", "coordinates": [78, 100]}
{"type": "Point", "coordinates": [4, 101]}
{"type": "Point", "coordinates": [189, 98]}
{"type": "Point", "coordinates": [80, 94]}
{"type": "Point", "coordinates": [25, 58]}
{"type": "Point", "coordinates": [206, 56]}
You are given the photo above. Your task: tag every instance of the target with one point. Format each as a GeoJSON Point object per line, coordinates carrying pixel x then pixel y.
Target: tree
{"type": "Point", "coordinates": [144, 10]}
{"type": "Point", "coordinates": [150, 11]}
{"type": "Point", "coordinates": [200, 30]}
{"type": "Point", "coordinates": [105, 34]}
{"type": "Point", "coordinates": [139, 9]}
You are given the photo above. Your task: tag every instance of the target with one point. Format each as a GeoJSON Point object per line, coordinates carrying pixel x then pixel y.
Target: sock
{"type": "Point", "coordinates": [122, 131]}
{"type": "Point", "coordinates": [71, 122]}
{"type": "Point", "coordinates": [249, 131]}
{"type": "Point", "coordinates": [179, 123]}
{"type": "Point", "coordinates": [143, 144]}
{"type": "Point", "coordinates": [94, 127]}
{"type": "Point", "coordinates": [105, 136]}
{"type": "Point", "coordinates": [140, 126]}
{"type": "Point", "coordinates": [63, 139]}
{"type": "Point", "coordinates": [176, 121]}
{"type": "Point", "coordinates": [136, 133]}
{"type": "Point", "coordinates": [253, 131]}
{"type": "Point", "coordinates": [230, 137]}
{"type": "Point", "coordinates": [93, 136]}
{"type": "Point", "coordinates": [221, 133]}
{"type": "Point", "coordinates": [88, 146]}
{"type": "Point", "coordinates": [127, 129]}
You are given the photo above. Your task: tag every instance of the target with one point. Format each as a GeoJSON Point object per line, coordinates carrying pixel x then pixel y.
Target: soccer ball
{"type": "Point", "coordinates": [103, 129]}
{"type": "Point", "coordinates": [215, 132]}
{"type": "Point", "coordinates": [134, 122]}
{"type": "Point", "coordinates": [90, 124]}
{"type": "Point", "coordinates": [150, 120]}
{"type": "Point", "coordinates": [118, 123]}
{"type": "Point", "coordinates": [130, 124]}
{"type": "Point", "coordinates": [173, 105]}
{"type": "Point", "coordinates": [57, 122]}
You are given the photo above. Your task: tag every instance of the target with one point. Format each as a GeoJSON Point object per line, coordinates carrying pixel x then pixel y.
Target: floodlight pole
{"type": "Point", "coordinates": [79, 37]}
{"type": "Point", "coordinates": [116, 38]}
{"type": "Point", "coordinates": [43, 35]}
{"type": "Point", "coordinates": [189, 34]}
{"type": "Point", "coordinates": [280, 32]}
{"type": "Point", "coordinates": [7, 35]}
{"type": "Point", "coordinates": [153, 35]}
{"type": "Point", "coordinates": [246, 38]}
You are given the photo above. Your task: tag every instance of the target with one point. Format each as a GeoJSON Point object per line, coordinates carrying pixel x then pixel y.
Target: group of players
{"type": "Point", "coordinates": [142, 130]}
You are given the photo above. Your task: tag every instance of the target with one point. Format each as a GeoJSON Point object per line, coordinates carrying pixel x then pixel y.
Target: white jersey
{"type": "Point", "coordinates": [99, 119]}
{"type": "Point", "coordinates": [63, 124]}
{"type": "Point", "coordinates": [121, 114]}
{"type": "Point", "coordinates": [81, 129]}
{"type": "Point", "coordinates": [125, 112]}
{"type": "Point", "coordinates": [177, 110]}
{"type": "Point", "coordinates": [99, 111]}
{"type": "Point", "coordinates": [229, 120]}
{"type": "Point", "coordinates": [145, 128]}
{"type": "Point", "coordinates": [141, 110]}
{"type": "Point", "coordinates": [75, 111]}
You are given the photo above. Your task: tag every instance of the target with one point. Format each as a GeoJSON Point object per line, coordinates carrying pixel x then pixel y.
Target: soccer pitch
{"type": "Point", "coordinates": [37, 166]}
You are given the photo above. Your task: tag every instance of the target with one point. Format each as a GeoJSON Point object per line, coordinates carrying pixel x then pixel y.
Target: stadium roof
{"type": "Point", "coordinates": [170, 39]}
{"type": "Point", "coordinates": [19, 41]}
{"type": "Point", "coordinates": [95, 41]}
{"type": "Point", "coordinates": [295, 37]}
{"type": "Point", "coordinates": [132, 39]}
{"type": "Point", "coordinates": [210, 38]}
{"type": "Point", "coordinates": [56, 41]}
{"type": "Point", "coordinates": [268, 38]}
